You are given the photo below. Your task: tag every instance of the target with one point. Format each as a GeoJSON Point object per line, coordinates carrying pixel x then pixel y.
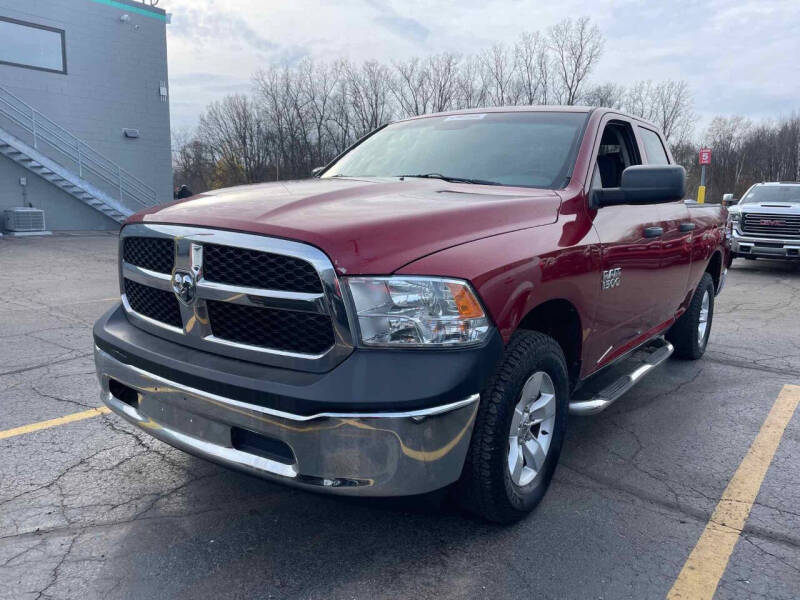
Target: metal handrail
{"type": "Point", "coordinates": [89, 162]}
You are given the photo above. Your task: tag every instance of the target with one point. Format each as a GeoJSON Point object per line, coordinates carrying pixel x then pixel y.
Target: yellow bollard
{"type": "Point", "coordinates": [701, 194]}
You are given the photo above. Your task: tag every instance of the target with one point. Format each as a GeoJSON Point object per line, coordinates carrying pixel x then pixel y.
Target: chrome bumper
{"type": "Point", "coordinates": [747, 245]}
{"type": "Point", "coordinates": [362, 454]}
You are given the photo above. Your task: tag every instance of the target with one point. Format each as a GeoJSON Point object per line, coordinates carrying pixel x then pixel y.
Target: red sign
{"type": "Point", "coordinates": [705, 156]}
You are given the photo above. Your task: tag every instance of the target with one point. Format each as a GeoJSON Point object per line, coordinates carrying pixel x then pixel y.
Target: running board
{"type": "Point", "coordinates": [654, 354]}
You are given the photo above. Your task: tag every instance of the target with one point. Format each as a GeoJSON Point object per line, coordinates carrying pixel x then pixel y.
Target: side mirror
{"type": "Point", "coordinates": [729, 200]}
{"type": "Point", "coordinates": [644, 184]}
{"type": "Point", "coordinates": [316, 171]}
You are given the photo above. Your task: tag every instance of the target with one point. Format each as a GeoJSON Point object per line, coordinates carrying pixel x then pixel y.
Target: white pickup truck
{"type": "Point", "coordinates": [766, 222]}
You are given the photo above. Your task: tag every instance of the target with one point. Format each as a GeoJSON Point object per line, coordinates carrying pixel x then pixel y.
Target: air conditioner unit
{"type": "Point", "coordinates": [22, 219]}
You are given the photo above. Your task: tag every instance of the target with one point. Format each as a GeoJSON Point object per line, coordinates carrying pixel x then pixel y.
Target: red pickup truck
{"type": "Point", "coordinates": [423, 314]}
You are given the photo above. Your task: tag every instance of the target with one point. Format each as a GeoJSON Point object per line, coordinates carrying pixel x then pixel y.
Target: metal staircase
{"type": "Point", "coordinates": [48, 150]}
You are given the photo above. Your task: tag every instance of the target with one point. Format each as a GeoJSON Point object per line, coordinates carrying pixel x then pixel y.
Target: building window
{"type": "Point", "coordinates": [32, 46]}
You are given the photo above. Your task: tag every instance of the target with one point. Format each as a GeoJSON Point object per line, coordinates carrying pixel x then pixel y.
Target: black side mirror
{"type": "Point", "coordinates": [316, 171]}
{"type": "Point", "coordinates": [644, 184]}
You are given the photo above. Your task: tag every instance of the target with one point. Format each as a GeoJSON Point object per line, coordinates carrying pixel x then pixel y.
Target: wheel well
{"type": "Point", "coordinates": [714, 268]}
{"type": "Point", "coordinates": [560, 320]}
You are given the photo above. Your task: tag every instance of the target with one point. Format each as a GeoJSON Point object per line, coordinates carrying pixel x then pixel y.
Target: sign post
{"type": "Point", "coordinates": [704, 159]}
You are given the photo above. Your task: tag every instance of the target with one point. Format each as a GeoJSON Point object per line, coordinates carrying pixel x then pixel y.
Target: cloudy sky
{"type": "Point", "coordinates": [739, 56]}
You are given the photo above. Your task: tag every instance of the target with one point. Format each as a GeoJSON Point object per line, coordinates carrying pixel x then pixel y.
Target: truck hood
{"type": "Point", "coordinates": [365, 226]}
{"type": "Point", "coordinates": [777, 208]}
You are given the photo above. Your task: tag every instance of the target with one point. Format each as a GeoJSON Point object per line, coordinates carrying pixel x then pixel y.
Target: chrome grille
{"type": "Point", "coordinates": [251, 268]}
{"type": "Point", "coordinates": [771, 225]}
{"type": "Point", "coordinates": [257, 298]}
{"type": "Point", "coordinates": [153, 303]}
{"type": "Point", "coordinates": [156, 254]}
{"type": "Point", "coordinates": [270, 328]}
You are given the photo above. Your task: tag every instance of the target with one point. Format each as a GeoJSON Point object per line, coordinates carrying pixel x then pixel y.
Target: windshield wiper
{"type": "Point", "coordinates": [451, 179]}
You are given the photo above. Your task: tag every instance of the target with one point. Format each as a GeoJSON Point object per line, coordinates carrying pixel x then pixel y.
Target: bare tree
{"type": "Point", "coordinates": [577, 45]}
{"type": "Point", "coordinates": [499, 71]}
{"type": "Point", "coordinates": [531, 58]}
{"type": "Point", "coordinates": [673, 109]}
{"type": "Point", "coordinates": [369, 95]}
{"type": "Point", "coordinates": [638, 100]}
{"type": "Point", "coordinates": [470, 84]}
{"type": "Point", "coordinates": [609, 95]}
{"type": "Point", "coordinates": [192, 162]}
{"type": "Point", "coordinates": [239, 142]}
{"type": "Point", "coordinates": [341, 123]}
{"type": "Point", "coordinates": [318, 85]}
{"type": "Point", "coordinates": [274, 91]}
{"type": "Point", "coordinates": [773, 151]}
{"type": "Point", "coordinates": [411, 87]}
{"type": "Point", "coordinates": [443, 80]}
{"type": "Point", "coordinates": [727, 136]}
{"type": "Point", "coordinates": [544, 67]}
{"type": "Point", "coordinates": [667, 104]}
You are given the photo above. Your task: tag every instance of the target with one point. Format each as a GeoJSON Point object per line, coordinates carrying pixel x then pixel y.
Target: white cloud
{"type": "Point", "coordinates": [738, 56]}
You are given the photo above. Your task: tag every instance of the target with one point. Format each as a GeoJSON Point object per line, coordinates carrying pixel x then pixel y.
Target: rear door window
{"type": "Point", "coordinates": [653, 148]}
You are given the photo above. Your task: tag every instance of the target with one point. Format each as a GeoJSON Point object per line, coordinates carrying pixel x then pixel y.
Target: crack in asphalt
{"type": "Point", "coordinates": [60, 399]}
{"type": "Point", "coordinates": [140, 515]}
{"type": "Point", "coordinates": [659, 395]}
{"type": "Point", "coordinates": [47, 364]}
{"type": "Point", "coordinates": [57, 479]}
{"type": "Point", "coordinates": [754, 366]}
{"type": "Point", "coordinates": [696, 514]}
{"type": "Point", "coordinates": [763, 550]}
{"type": "Point", "coordinates": [54, 572]}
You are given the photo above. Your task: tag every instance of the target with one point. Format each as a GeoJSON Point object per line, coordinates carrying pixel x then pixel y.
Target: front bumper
{"type": "Point", "coordinates": [748, 245]}
{"type": "Point", "coordinates": [389, 450]}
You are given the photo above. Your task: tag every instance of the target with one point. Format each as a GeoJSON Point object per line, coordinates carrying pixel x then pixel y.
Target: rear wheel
{"type": "Point", "coordinates": [518, 431]}
{"type": "Point", "coordinates": [690, 333]}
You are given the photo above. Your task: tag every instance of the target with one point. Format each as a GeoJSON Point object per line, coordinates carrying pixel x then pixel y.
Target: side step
{"type": "Point", "coordinates": [643, 361]}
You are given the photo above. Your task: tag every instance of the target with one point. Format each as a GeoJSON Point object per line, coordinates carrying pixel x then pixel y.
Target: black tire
{"type": "Point", "coordinates": [486, 487]}
{"type": "Point", "coordinates": [684, 334]}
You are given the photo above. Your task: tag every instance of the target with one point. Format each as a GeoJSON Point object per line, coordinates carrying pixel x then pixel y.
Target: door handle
{"type": "Point", "coordinates": [653, 232]}
{"type": "Point", "coordinates": [684, 227]}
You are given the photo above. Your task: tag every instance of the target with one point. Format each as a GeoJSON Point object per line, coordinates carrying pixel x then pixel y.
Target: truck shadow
{"type": "Point", "coordinates": [240, 536]}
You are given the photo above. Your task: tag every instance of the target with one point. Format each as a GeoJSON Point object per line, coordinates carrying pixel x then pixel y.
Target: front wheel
{"type": "Point", "coordinates": [690, 332]}
{"type": "Point", "coordinates": [518, 431]}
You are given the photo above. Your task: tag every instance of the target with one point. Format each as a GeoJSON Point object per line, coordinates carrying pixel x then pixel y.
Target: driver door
{"type": "Point", "coordinates": [630, 241]}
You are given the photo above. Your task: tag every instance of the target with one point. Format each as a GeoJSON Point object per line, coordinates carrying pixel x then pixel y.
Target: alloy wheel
{"type": "Point", "coordinates": [702, 323]}
{"type": "Point", "coordinates": [531, 428]}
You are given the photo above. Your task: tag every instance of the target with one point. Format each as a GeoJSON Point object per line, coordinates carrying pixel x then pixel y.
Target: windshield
{"type": "Point", "coordinates": [527, 149]}
{"type": "Point", "coordinates": [772, 193]}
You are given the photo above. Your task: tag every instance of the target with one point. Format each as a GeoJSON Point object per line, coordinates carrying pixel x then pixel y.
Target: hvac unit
{"type": "Point", "coordinates": [22, 219]}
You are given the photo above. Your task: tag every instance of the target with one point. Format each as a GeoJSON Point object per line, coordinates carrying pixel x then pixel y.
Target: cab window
{"type": "Point", "coordinates": [617, 152]}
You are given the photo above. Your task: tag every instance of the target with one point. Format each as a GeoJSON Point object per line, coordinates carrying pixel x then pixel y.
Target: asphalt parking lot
{"type": "Point", "coordinates": [93, 509]}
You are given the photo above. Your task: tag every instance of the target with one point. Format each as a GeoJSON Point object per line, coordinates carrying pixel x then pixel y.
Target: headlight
{"type": "Point", "coordinates": [417, 311]}
{"type": "Point", "coordinates": [734, 216]}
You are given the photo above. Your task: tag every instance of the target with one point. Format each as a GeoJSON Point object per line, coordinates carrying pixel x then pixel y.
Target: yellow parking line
{"type": "Point", "coordinates": [700, 575]}
{"type": "Point", "coordinates": [87, 414]}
